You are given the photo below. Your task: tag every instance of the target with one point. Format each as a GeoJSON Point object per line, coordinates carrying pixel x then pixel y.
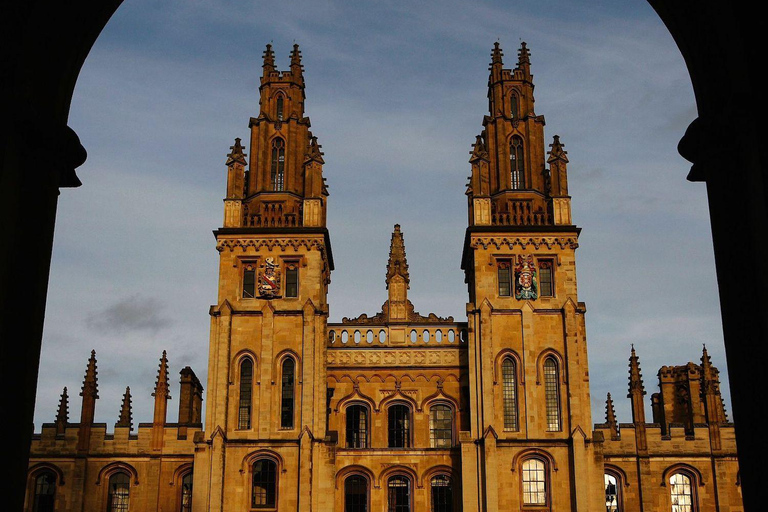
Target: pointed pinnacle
{"type": "Point", "coordinates": [90, 382]}
{"type": "Point", "coordinates": [635, 376]}
{"type": "Point", "coordinates": [295, 56]}
{"type": "Point", "coordinates": [610, 412]}
{"type": "Point", "coordinates": [523, 55]}
{"type": "Point", "coordinates": [126, 411]}
{"type": "Point", "coordinates": [557, 152]}
{"type": "Point", "coordinates": [62, 414]}
{"type": "Point", "coordinates": [161, 384]}
{"type": "Point", "coordinates": [269, 58]}
{"type": "Point", "coordinates": [397, 264]}
{"type": "Point", "coordinates": [236, 153]}
{"type": "Point", "coordinates": [496, 54]}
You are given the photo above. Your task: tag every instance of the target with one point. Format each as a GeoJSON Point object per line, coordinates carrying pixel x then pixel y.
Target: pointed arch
{"type": "Point", "coordinates": [440, 469]}
{"type": "Point", "coordinates": [520, 457]}
{"type": "Point", "coordinates": [691, 471]}
{"type": "Point", "coordinates": [116, 467]}
{"type": "Point", "coordinates": [277, 164]}
{"type": "Point", "coordinates": [41, 467]}
{"type": "Point", "coordinates": [504, 353]}
{"type": "Point", "coordinates": [399, 470]}
{"type": "Point", "coordinates": [355, 396]}
{"type": "Point", "coordinates": [179, 472]}
{"type": "Point", "coordinates": [550, 352]}
{"type": "Point", "coordinates": [280, 357]}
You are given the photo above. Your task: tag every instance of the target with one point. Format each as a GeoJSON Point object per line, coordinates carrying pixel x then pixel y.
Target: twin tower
{"type": "Point", "coordinates": [398, 411]}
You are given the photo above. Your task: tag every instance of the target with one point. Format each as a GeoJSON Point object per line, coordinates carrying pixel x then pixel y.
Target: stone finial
{"type": "Point", "coordinates": [269, 60]}
{"type": "Point", "coordinates": [162, 390]}
{"type": "Point", "coordinates": [90, 387]}
{"type": "Point", "coordinates": [397, 264]}
{"type": "Point", "coordinates": [313, 151]}
{"type": "Point", "coordinates": [610, 417]}
{"type": "Point", "coordinates": [62, 414]}
{"type": "Point", "coordinates": [236, 154]}
{"type": "Point", "coordinates": [126, 412]}
{"type": "Point", "coordinates": [557, 152]}
{"type": "Point", "coordinates": [635, 377]}
{"type": "Point", "coordinates": [478, 150]}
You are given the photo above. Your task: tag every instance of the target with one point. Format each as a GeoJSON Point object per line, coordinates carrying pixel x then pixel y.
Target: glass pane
{"type": "Point", "coordinates": [534, 483]}
{"type": "Point", "coordinates": [186, 493]}
{"type": "Point", "coordinates": [356, 494]}
{"type": "Point", "coordinates": [681, 493]}
{"type": "Point", "coordinates": [442, 494]}
{"type": "Point", "coordinates": [508, 376]}
{"type": "Point", "coordinates": [292, 281]}
{"type": "Point", "coordinates": [399, 494]}
{"type": "Point", "coordinates": [264, 494]}
{"type": "Point", "coordinates": [611, 494]}
{"type": "Point", "coordinates": [249, 284]}
{"type": "Point", "coordinates": [118, 493]}
{"type": "Point", "coordinates": [441, 426]}
{"type": "Point", "coordinates": [45, 492]}
{"type": "Point", "coordinates": [286, 409]}
{"type": "Point", "coordinates": [357, 427]}
{"type": "Point", "coordinates": [246, 387]}
{"type": "Point", "coordinates": [399, 428]}
{"type": "Point", "coordinates": [552, 391]}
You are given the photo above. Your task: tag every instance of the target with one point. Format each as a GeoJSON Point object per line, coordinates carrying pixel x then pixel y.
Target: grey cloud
{"type": "Point", "coordinates": [131, 314]}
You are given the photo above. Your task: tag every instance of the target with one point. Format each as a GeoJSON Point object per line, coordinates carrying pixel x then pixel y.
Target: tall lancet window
{"type": "Point", "coordinates": [278, 164]}
{"type": "Point", "coordinates": [286, 402]}
{"type": "Point", "coordinates": [246, 390]}
{"type": "Point", "coordinates": [45, 492]}
{"type": "Point", "coordinates": [552, 391]}
{"type": "Point", "coordinates": [280, 107]}
{"type": "Point", "coordinates": [517, 161]}
{"type": "Point", "coordinates": [509, 382]}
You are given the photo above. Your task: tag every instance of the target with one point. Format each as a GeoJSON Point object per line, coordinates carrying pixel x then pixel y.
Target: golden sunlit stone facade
{"type": "Point", "coordinates": [398, 411]}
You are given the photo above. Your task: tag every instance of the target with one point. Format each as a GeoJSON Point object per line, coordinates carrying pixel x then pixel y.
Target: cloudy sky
{"type": "Point", "coordinates": [396, 92]}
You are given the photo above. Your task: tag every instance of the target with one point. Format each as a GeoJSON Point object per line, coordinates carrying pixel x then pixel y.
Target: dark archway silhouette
{"type": "Point", "coordinates": [45, 43]}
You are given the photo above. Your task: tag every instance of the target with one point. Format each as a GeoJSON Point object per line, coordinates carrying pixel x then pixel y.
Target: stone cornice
{"type": "Point", "coordinates": [570, 242]}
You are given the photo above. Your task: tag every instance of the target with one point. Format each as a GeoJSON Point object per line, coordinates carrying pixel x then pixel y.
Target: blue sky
{"type": "Point", "coordinates": [396, 92]}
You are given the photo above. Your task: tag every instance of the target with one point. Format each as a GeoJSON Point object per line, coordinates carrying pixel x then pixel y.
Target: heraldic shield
{"type": "Point", "coordinates": [269, 279]}
{"type": "Point", "coordinates": [526, 284]}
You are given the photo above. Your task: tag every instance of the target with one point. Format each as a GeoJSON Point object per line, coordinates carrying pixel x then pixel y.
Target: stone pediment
{"type": "Point", "coordinates": [382, 317]}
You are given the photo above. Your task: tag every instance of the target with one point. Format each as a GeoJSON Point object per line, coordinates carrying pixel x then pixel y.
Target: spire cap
{"type": "Point", "coordinates": [397, 264]}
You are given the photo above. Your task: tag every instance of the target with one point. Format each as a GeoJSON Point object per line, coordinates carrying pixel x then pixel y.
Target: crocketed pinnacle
{"type": "Point", "coordinates": [162, 389]}
{"type": "Point", "coordinates": [62, 414]}
{"type": "Point", "coordinates": [610, 412]}
{"type": "Point", "coordinates": [90, 387]}
{"type": "Point", "coordinates": [523, 55]}
{"type": "Point", "coordinates": [269, 60]}
{"type": "Point", "coordinates": [478, 150]}
{"type": "Point", "coordinates": [557, 152]}
{"type": "Point", "coordinates": [496, 54]}
{"type": "Point", "coordinates": [236, 155]}
{"type": "Point", "coordinates": [635, 377]}
{"type": "Point", "coordinates": [314, 152]}
{"type": "Point", "coordinates": [126, 412]}
{"type": "Point", "coordinates": [296, 57]}
{"type": "Point", "coordinates": [397, 264]}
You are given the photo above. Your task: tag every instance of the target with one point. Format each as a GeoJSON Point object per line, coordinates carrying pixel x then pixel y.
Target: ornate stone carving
{"type": "Point", "coordinates": [405, 357]}
{"type": "Point", "coordinates": [382, 317]}
{"type": "Point", "coordinates": [536, 242]}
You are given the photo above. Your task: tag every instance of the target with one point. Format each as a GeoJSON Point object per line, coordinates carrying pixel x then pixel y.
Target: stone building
{"type": "Point", "coordinates": [397, 411]}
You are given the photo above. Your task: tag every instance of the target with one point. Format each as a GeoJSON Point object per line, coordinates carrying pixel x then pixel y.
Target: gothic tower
{"type": "Point", "coordinates": [529, 381]}
{"type": "Point", "coordinates": [266, 377]}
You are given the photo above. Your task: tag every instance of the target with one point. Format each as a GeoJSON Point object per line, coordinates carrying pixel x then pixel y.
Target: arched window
{"type": "Point", "coordinates": [264, 489]}
{"type": "Point", "coordinates": [398, 494]}
{"type": "Point", "coordinates": [552, 391]}
{"type": "Point", "coordinates": [119, 492]}
{"type": "Point", "coordinates": [246, 394]}
{"type": "Point", "coordinates": [186, 493]}
{"type": "Point", "coordinates": [441, 426]}
{"type": "Point", "coordinates": [442, 494]}
{"type": "Point", "coordinates": [45, 492]}
{"type": "Point", "coordinates": [534, 482]}
{"type": "Point", "coordinates": [287, 399]}
{"type": "Point", "coordinates": [356, 494]}
{"type": "Point", "coordinates": [509, 393]}
{"type": "Point", "coordinates": [357, 426]}
{"type": "Point", "coordinates": [681, 493]}
{"type": "Point", "coordinates": [278, 164]}
{"type": "Point", "coordinates": [398, 419]}
{"type": "Point", "coordinates": [280, 107]}
{"type": "Point", "coordinates": [612, 503]}
{"type": "Point", "coordinates": [517, 162]}
{"type": "Point", "coordinates": [513, 109]}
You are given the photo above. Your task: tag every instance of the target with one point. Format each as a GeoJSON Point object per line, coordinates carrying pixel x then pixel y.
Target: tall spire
{"type": "Point", "coordinates": [269, 60]}
{"type": "Point", "coordinates": [161, 394]}
{"type": "Point", "coordinates": [62, 414]}
{"type": "Point", "coordinates": [710, 390]}
{"type": "Point", "coordinates": [126, 413]}
{"type": "Point", "coordinates": [89, 392]}
{"type": "Point", "coordinates": [610, 417]}
{"type": "Point", "coordinates": [397, 264]}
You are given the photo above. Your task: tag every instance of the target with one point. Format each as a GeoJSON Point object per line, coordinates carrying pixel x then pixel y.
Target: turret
{"type": "Point", "coordinates": [90, 393]}
{"type": "Point", "coordinates": [556, 183]}
{"type": "Point", "coordinates": [190, 398]}
{"type": "Point", "coordinates": [162, 395]}
{"type": "Point", "coordinates": [62, 414]}
{"type": "Point", "coordinates": [269, 61]}
{"type": "Point", "coordinates": [126, 411]}
{"type": "Point", "coordinates": [236, 175]}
